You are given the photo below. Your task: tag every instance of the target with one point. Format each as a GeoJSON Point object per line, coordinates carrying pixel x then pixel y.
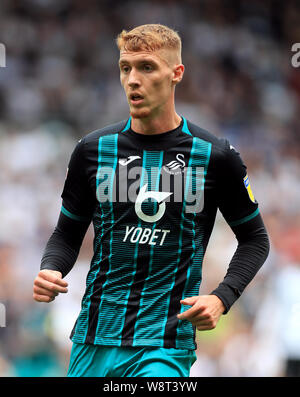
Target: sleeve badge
{"type": "Point", "coordinates": [248, 187]}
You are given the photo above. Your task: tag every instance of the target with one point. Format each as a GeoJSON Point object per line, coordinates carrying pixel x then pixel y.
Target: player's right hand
{"type": "Point", "coordinates": [47, 285]}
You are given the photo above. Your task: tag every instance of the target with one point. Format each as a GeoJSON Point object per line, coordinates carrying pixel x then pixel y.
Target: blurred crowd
{"type": "Point", "coordinates": [61, 82]}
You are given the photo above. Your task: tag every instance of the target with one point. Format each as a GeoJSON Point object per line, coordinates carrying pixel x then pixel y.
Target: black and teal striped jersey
{"type": "Point", "coordinates": [153, 201]}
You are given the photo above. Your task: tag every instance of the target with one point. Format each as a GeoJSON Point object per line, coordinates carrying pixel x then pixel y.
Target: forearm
{"type": "Point", "coordinates": [63, 246]}
{"type": "Point", "coordinates": [251, 253]}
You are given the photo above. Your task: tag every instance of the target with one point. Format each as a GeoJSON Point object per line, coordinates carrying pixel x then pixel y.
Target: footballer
{"type": "Point", "coordinates": [151, 186]}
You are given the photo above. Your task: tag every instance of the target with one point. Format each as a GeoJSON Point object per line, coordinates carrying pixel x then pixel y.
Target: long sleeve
{"type": "Point", "coordinates": [63, 246]}
{"type": "Point", "coordinates": [240, 210]}
{"type": "Point", "coordinates": [77, 209]}
{"type": "Point", "coordinates": [251, 253]}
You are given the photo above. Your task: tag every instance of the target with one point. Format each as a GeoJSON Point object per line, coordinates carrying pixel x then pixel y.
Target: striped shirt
{"type": "Point", "coordinates": [152, 200]}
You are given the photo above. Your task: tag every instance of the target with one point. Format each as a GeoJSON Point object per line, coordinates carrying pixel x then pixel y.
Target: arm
{"type": "Point", "coordinates": [58, 259]}
{"type": "Point", "coordinates": [240, 210]}
{"type": "Point", "coordinates": [63, 246]}
{"type": "Point", "coordinates": [251, 252]}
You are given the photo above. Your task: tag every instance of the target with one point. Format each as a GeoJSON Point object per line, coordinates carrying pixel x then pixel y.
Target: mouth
{"type": "Point", "coordinates": [136, 99]}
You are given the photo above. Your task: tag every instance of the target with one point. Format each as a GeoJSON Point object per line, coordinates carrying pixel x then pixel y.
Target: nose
{"type": "Point", "coordinates": [133, 79]}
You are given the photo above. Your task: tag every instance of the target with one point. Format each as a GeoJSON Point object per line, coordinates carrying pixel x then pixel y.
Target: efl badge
{"type": "Point", "coordinates": [248, 187]}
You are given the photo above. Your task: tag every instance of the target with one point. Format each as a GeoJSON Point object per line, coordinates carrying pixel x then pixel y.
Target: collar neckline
{"type": "Point", "coordinates": [155, 137]}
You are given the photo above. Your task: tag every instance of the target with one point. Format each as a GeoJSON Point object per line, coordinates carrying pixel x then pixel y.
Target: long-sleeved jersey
{"type": "Point", "coordinates": [153, 201]}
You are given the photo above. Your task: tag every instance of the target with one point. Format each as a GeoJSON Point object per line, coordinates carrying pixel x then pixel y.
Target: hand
{"type": "Point", "coordinates": [47, 285]}
{"type": "Point", "coordinates": [205, 312]}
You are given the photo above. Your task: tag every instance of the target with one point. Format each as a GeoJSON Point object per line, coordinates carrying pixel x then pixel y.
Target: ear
{"type": "Point", "coordinates": [178, 71]}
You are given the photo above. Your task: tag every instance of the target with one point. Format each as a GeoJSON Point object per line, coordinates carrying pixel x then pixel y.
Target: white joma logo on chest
{"type": "Point", "coordinates": [128, 160]}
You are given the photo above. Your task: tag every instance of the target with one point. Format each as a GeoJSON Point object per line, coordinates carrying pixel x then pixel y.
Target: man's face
{"type": "Point", "coordinates": [147, 79]}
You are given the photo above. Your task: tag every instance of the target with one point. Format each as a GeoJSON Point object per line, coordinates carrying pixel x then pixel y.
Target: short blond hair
{"type": "Point", "coordinates": [150, 37]}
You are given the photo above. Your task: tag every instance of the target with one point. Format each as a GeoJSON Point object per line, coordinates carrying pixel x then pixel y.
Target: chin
{"type": "Point", "coordinates": [139, 113]}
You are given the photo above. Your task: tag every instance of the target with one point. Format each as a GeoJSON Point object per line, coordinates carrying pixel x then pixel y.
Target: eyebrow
{"type": "Point", "coordinates": [144, 60]}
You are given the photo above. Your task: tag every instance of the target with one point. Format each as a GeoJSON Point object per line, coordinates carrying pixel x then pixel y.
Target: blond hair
{"type": "Point", "coordinates": [150, 37]}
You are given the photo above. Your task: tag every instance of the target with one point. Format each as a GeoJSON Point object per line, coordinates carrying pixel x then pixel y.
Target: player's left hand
{"type": "Point", "coordinates": [205, 312]}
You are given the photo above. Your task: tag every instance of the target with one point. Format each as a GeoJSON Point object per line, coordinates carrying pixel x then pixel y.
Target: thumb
{"type": "Point", "coordinates": [189, 301]}
{"type": "Point", "coordinates": [57, 273]}
{"type": "Point", "coordinates": [53, 276]}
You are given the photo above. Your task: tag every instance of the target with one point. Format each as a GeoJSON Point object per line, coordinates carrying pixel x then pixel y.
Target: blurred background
{"type": "Point", "coordinates": [61, 82]}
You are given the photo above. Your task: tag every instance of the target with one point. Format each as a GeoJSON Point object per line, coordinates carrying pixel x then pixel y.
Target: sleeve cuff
{"type": "Point", "coordinates": [47, 266]}
{"type": "Point", "coordinates": [227, 294]}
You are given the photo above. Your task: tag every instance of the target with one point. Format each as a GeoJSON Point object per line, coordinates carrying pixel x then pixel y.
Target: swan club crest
{"type": "Point", "coordinates": [175, 166]}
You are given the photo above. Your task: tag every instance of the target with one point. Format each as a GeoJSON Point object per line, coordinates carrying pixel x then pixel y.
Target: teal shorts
{"type": "Point", "coordinates": [109, 361]}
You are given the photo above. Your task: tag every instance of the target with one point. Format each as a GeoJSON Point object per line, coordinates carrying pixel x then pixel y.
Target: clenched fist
{"type": "Point", "coordinates": [47, 285]}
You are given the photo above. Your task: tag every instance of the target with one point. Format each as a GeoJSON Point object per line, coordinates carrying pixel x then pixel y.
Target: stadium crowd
{"type": "Point", "coordinates": [61, 82]}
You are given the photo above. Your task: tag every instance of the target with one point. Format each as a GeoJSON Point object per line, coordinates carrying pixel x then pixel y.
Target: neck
{"type": "Point", "coordinates": [156, 125]}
